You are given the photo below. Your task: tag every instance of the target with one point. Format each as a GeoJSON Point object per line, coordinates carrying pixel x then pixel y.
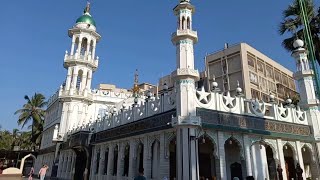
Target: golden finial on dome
{"type": "Point", "coordinates": [87, 9]}
{"type": "Point", "coordinates": [136, 88]}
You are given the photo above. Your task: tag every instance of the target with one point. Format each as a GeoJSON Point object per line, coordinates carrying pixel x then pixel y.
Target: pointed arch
{"type": "Point", "coordinates": [183, 22]}
{"type": "Point", "coordinates": [79, 79]}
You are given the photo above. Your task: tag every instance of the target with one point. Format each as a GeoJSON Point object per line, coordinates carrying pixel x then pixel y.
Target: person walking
{"type": "Point", "coordinates": [31, 173]}
{"type": "Point", "coordinates": [43, 171]}
{"type": "Point", "coordinates": [140, 176]}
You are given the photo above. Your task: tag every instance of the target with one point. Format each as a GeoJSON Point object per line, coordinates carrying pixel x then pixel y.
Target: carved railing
{"type": "Point", "coordinates": [253, 107]}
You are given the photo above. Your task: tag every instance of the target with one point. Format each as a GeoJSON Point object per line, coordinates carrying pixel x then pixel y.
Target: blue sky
{"type": "Point", "coordinates": [135, 34]}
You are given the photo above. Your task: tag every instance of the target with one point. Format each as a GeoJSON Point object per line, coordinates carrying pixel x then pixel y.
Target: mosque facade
{"type": "Point", "coordinates": [184, 132]}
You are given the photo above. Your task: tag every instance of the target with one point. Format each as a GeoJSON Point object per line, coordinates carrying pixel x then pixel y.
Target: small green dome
{"type": "Point", "coordinates": [86, 19]}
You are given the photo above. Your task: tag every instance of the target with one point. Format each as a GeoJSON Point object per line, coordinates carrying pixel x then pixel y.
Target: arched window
{"type": "Point", "coordinates": [188, 23]}
{"type": "Point", "coordinates": [115, 161]}
{"type": "Point", "coordinates": [183, 22]}
{"type": "Point", "coordinates": [97, 162]}
{"type": "Point", "coordinates": [106, 158]}
{"type": "Point", "coordinates": [126, 161]}
{"type": "Point", "coordinates": [79, 79]}
{"type": "Point", "coordinates": [84, 45]}
{"type": "Point", "coordinates": [155, 160]}
{"type": "Point", "coordinates": [91, 48]}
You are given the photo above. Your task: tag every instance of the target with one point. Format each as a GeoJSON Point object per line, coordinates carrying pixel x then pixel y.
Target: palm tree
{"type": "Point", "coordinates": [33, 111]}
{"type": "Point", "coordinates": [292, 23]}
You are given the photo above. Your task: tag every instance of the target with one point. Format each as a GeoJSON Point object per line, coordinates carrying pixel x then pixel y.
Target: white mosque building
{"type": "Point", "coordinates": [182, 132]}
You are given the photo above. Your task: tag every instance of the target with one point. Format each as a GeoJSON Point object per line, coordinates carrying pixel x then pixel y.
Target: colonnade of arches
{"type": "Point", "coordinates": [184, 23]}
{"type": "Point", "coordinates": [222, 159]}
{"type": "Point", "coordinates": [79, 79]}
{"type": "Point", "coordinates": [83, 47]}
{"type": "Point", "coordinates": [264, 161]}
{"type": "Point", "coordinates": [126, 160]}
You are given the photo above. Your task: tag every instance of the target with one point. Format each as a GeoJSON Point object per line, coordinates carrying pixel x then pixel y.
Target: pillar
{"type": "Point", "coordinates": [300, 158]}
{"type": "Point", "coordinates": [94, 49]}
{"type": "Point", "coordinates": [68, 81]}
{"type": "Point", "coordinates": [247, 145]}
{"type": "Point", "coordinates": [222, 158]}
{"type": "Point", "coordinates": [164, 157]}
{"type": "Point", "coordinates": [89, 77]}
{"type": "Point", "coordinates": [101, 162]}
{"type": "Point", "coordinates": [120, 161]}
{"type": "Point", "coordinates": [72, 46]}
{"type": "Point", "coordinates": [146, 158]}
{"type": "Point", "coordinates": [110, 161]}
{"type": "Point", "coordinates": [132, 159]}
{"type": "Point", "coordinates": [281, 159]}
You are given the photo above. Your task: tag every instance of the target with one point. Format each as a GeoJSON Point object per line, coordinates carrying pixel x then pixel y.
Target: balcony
{"type": "Point", "coordinates": [186, 33]}
{"type": "Point", "coordinates": [80, 59]}
{"type": "Point", "coordinates": [76, 94]}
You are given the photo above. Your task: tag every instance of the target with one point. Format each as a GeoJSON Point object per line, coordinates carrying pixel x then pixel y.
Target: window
{"type": "Point", "coordinates": [277, 75]}
{"type": "Point", "coordinates": [106, 157]}
{"type": "Point", "coordinates": [251, 61]}
{"type": "Point", "coordinates": [260, 66]}
{"type": "Point", "coordinates": [285, 79]}
{"type": "Point", "coordinates": [253, 78]}
{"type": "Point", "coordinates": [269, 71]}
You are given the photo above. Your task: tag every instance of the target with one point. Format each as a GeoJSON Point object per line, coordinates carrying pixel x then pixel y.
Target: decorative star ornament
{"type": "Point", "coordinates": [203, 96]}
{"type": "Point", "coordinates": [229, 100]}
{"type": "Point", "coordinates": [282, 110]}
{"type": "Point", "coordinates": [299, 113]}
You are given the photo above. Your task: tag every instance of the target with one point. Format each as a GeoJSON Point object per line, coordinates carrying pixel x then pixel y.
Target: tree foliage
{"type": "Point", "coordinates": [33, 113]}
{"type": "Point", "coordinates": [292, 25]}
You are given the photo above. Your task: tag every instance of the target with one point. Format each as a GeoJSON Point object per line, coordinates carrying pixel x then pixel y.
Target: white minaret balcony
{"type": "Point", "coordinates": [183, 34]}
{"type": "Point", "coordinates": [79, 59]}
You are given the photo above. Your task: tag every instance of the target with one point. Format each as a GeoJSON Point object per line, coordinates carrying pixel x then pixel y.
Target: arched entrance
{"type": "Point", "coordinates": [81, 165]}
{"type": "Point", "coordinates": [155, 160]}
{"type": "Point", "coordinates": [140, 157]}
{"type": "Point", "coordinates": [310, 169]}
{"type": "Point", "coordinates": [172, 159]}
{"type": "Point", "coordinates": [233, 160]}
{"type": "Point", "coordinates": [289, 161]}
{"type": "Point", "coordinates": [272, 168]}
{"type": "Point", "coordinates": [27, 163]}
{"type": "Point", "coordinates": [207, 162]}
{"type": "Point", "coordinates": [126, 161]}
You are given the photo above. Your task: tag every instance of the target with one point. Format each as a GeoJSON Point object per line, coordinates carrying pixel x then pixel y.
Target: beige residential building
{"type": "Point", "coordinates": [258, 75]}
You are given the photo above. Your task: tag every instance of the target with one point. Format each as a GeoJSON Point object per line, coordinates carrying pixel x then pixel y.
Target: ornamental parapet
{"type": "Point", "coordinates": [304, 73]}
{"type": "Point", "coordinates": [86, 60]}
{"type": "Point", "coordinates": [186, 72]}
{"type": "Point", "coordinates": [252, 107]}
{"type": "Point", "coordinates": [182, 34]}
{"type": "Point", "coordinates": [122, 115]}
{"type": "Point", "coordinates": [76, 94]}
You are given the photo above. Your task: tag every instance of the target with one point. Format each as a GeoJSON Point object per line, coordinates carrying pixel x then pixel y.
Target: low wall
{"type": "Point", "coordinates": [10, 176]}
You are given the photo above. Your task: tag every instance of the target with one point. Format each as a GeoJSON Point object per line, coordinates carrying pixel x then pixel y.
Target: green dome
{"type": "Point", "coordinates": [86, 19]}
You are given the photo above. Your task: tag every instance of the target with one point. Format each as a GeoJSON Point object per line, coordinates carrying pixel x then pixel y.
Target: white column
{"type": "Point", "coordinates": [74, 80]}
{"type": "Point", "coordinates": [300, 158]}
{"type": "Point", "coordinates": [94, 49]}
{"type": "Point", "coordinates": [69, 76]}
{"type": "Point", "coordinates": [222, 158]}
{"type": "Point", "coordinates": [59, 166]}
{"type": "Point", "coordinates": [164, 160]}
{"type": "Point", "coordinates": [110, 161]}
{"type": "Point", "coordinates": [83, 80]}
{"type": "Point", "coordinates": [281, 158]}
{"type": "Point", "coordinates": [146, 158]}
{"type": "Point", "coordinates": [88, 47]}
{"type": "Point", "coordinates": [247, 145]}
{"type": "Point", "coordinates": [89, 78]}
{"type": "Point", "coordinates": [132, 159]}
{"type": "Point", "coordinates": [101, 162]}
{"type": "Point", "coordinates": [120, 161]}
{"type": "Point", "coordinates": [79, 48]}
{"type": "Point", "coordinates": [72, 46]}
{"type": "Point", "coordinates": [155, 161]}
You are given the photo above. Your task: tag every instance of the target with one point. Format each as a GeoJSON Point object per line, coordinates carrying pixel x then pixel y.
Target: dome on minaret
{"type": "Point", "coordinates": [298, 43]}
{"type": "Point", "coordinates": [86, 17]}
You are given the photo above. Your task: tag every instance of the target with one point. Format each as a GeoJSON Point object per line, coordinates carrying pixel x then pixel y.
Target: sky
{"type": "Point", "coordinates": [135, 35]}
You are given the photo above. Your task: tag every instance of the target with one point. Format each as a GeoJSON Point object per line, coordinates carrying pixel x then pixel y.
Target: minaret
{"type": "Point", "coordinates": [304, 77]}
{"type": "Point", "coordinates": [186, 122]}
{"type": "Point", "coordinates": [81, 63]}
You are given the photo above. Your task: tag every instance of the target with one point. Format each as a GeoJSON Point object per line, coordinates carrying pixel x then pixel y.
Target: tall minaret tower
{"type": "Point", "coordinates": [304, 76]}
{"type": "Point", "coordinates": [186, 122]}
{"type": "Point", "coordinates": [81, 63]}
